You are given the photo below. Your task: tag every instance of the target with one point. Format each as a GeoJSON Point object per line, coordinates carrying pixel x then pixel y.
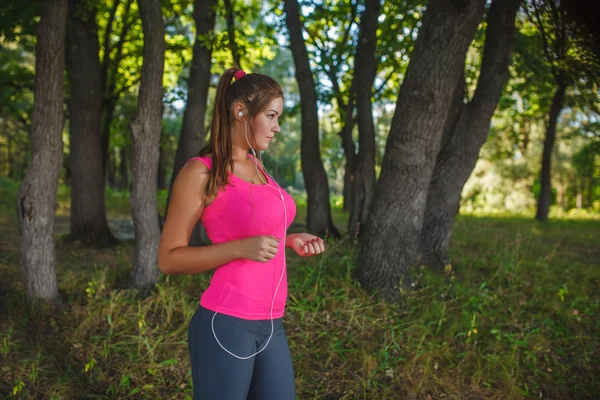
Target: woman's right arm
{"type": "Point", "coordinates": [185, 208]}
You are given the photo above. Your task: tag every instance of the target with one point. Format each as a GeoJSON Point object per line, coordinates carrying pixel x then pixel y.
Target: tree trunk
{"type": "Point", "coordinates": [318, 209]}
{"type": "Point", "coordinates": [111, 177]}
{"type": "Point", "coordinates": [124, 170]}
{"type": "Point", "coordinates": [235, 53]}
{"type": "Point", "coordinates": [579, 193]}
{"type": "Point", "coordinates": [36, 203]}
{"type": "Point", "coordinates": [145, 133]}
{"type": "Point", "coordinates": [391, 243]}
{"type": "Point", "coordinates": [350, 155]}
{"type": "Point", "coordinates": [161, 177]}
{"type": "Point", "coordinates": [193, 130]}
{"type": "Point", "coordinates": [465, 132]}
{"type": "Point", "coordinates": [109, 75]}
{"type": "Point", "coordinates": [590, 191]}
{"type": "Point", "coordinates": [88, 210]}
{"type": "Point", "coordinates": [347, 119]}
{"type": "Point", "coordinates": [543, 206]}
{"type": "Point", "coordinates": [364, 69]}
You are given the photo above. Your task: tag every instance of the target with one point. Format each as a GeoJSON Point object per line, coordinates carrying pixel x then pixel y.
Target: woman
{"type": "Point", "coordinates": [237, 343]}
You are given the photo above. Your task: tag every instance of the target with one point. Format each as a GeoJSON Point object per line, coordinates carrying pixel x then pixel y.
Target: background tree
{"type": "Point", "coordinates": [88, 210]}
{"type": "Point", "coordinates": [145, 132]}
{"type": "Point", "coordinates": [319, 210]}
{"type": "Point", "coordinates": [391, 244]}
{"type": "Point", "coordinates": [37, 194]}
{"type": "Point", "coordinates": [365, 66]}
{"type": "Point", "coordinates": [549, 18]}
{"type": "Point", "coordinates": [192, 135]}
{"type": "Point", "coordinates": [465, 131]}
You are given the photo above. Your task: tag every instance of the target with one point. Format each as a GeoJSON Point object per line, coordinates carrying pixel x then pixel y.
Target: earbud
{"type": "Point", "coordinates": [240, 114]}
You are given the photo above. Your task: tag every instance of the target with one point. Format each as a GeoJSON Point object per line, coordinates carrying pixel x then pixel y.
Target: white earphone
{"type": "Point", "coordinates": [278, 188]}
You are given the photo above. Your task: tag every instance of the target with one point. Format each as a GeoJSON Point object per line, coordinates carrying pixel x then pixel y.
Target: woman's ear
{"type": "Point", "coordinates": [239, 112]}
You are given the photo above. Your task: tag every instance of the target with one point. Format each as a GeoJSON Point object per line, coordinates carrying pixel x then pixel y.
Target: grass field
{"type": "Point", "coordinates": [518, 317]}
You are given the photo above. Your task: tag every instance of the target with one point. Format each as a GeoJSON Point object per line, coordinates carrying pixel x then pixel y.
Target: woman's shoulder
{"type": "Point", "coordinates": [200, 162]}
{"type": "Point", "coordinates": [196, 169]}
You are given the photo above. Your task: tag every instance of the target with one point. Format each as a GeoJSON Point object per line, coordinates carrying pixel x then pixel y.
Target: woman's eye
{"type": "Point", "coordinates": [270, 116]}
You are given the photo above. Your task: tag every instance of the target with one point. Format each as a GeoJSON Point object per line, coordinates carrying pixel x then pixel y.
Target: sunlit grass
{"type": "Point", "coordinates": [517, 317]}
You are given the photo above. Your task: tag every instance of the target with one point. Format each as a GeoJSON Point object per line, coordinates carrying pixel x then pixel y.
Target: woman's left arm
{"type": "Point", "coordinates": [305, 244]}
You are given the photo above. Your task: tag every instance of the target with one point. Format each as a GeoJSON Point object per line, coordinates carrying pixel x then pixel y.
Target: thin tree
{"type": "Point", "coordinates": [230, 17]}
{"type": "Point", "coordinates": [391, 243]}
{"type": "Point", "coordinates": [111, 62]}
{"type": "Point", "coordinates": [145, 133]}
{"type": "Point", "coordinates": [465, 131]}
{"type": "Point", "coordinates": [36, 201]}
{"type": "Point", "coordinates": [318, 208]}
{"type": "Point", "coordinates": [192, 135]}
{"type": "Point", "coordinates": [549, 18]}
{"type": "Point", "coordinates": [88, 208]}
{"type": "Point", "coordinates": [365, 66]}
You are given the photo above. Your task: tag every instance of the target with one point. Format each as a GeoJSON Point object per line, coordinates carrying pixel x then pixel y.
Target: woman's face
{"type": "Point", "coordinates": [265, 125]}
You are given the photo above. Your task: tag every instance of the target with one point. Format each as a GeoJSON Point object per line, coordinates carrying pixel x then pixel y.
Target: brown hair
{"type": "Point", "coordinates": [255, 91]}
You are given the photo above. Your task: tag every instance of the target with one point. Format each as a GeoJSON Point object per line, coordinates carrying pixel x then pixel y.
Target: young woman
{"type": "Point", "coordinates": [237, 343]}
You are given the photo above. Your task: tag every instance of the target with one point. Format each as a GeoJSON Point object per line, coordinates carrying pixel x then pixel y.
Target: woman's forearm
{"type": "Point", "coordinates": [192, 260]}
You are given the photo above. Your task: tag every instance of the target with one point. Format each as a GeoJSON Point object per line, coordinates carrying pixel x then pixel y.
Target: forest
{"type": "Point", "coordinates": [447, 151]}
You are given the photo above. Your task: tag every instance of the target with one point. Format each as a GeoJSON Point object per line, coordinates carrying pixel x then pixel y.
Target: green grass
{"type": "Point", "coordinates": [518, 316]}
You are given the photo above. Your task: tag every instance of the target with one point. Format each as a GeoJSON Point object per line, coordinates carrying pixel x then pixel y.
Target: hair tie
{"type": "Point", "coordinates": [239, 74]}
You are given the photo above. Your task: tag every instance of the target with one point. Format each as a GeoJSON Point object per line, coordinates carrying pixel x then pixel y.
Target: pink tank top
{"type": "Point", "coordinates": [243, 288]}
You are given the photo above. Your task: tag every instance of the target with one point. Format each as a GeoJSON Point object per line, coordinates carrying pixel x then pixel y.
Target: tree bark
{"type": "Point", "coordinates": [123, 169]}
{"type": "Point", "coordinates": [349, 153]}
{"type": "Point", "coordinates": [36, 203]}
{"type": "Point", "coordinates": [365, 69]}
{"type": "Point", "coordinates": [161, 177]}
{"type": "Point", "coordinates": [145, 133]}
{"type": "Point", "coordinates": [235, 52]}
{"type": "Point", "coordinates": [558, 101]}
{"type": "Point", "coordinates": [391, 243]}
{"type": "Point", "coordinates": [109, 77]}
{"type": "Point", "coordinates": [465, 132]}
{"type": "Point", "coordinates": [193, 130]}
{"type": "Point", "coordinates": [88, 209]}
{"type": "Point", "coordinates": [318, 209]}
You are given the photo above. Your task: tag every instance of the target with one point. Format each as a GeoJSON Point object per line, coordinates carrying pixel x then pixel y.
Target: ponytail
{"type": "Point", "coordinates": [219, 144]}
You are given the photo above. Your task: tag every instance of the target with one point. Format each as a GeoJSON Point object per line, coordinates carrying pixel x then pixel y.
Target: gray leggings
{"type": "Point", "coordinates": [218, 375]}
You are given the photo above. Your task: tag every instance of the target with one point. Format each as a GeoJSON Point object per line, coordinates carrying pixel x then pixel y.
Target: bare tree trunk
{"type": "Point", "coordinates": [349, 153]}
{"type": "Point", "coordinates": [558, 101]}
{"type": "Point", "coordinates": [109, 73]}
{"type": "Point", "coordinates": [145, 133]}
{"type": "Point", "coordinates": [319, 210]}
{"type": "Point", "coordinates": [579, 193]}
{"type": "Point", "coordinates": [193, 131]}
{"type": "Point", "coordinates": [391, 244]}
{"type": "Point", "coordinates": [36, 203]}
{"type": "Point", "coordinates": [590, 191]}
{"type": "Point", "coordinates": [466, 130]}
{"type": "Point", "coordinates": [365, 69]}
{"type": "Point", "coordinates": [88, 209]}
{"type": "Point", "coordinates": [111, 177]}
{"type": "Point", "coordinates": [161, 177]}
{"type": "Point", "coordinates": [229, 4]}
{"type": "Point", "coordinates": [121, 169]}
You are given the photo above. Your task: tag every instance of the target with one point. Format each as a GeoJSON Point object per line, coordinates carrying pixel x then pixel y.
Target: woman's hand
{"type": "Point", "coordinates": [305, 244]}
{"type": "Point", "coordinates": [259, 248]}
